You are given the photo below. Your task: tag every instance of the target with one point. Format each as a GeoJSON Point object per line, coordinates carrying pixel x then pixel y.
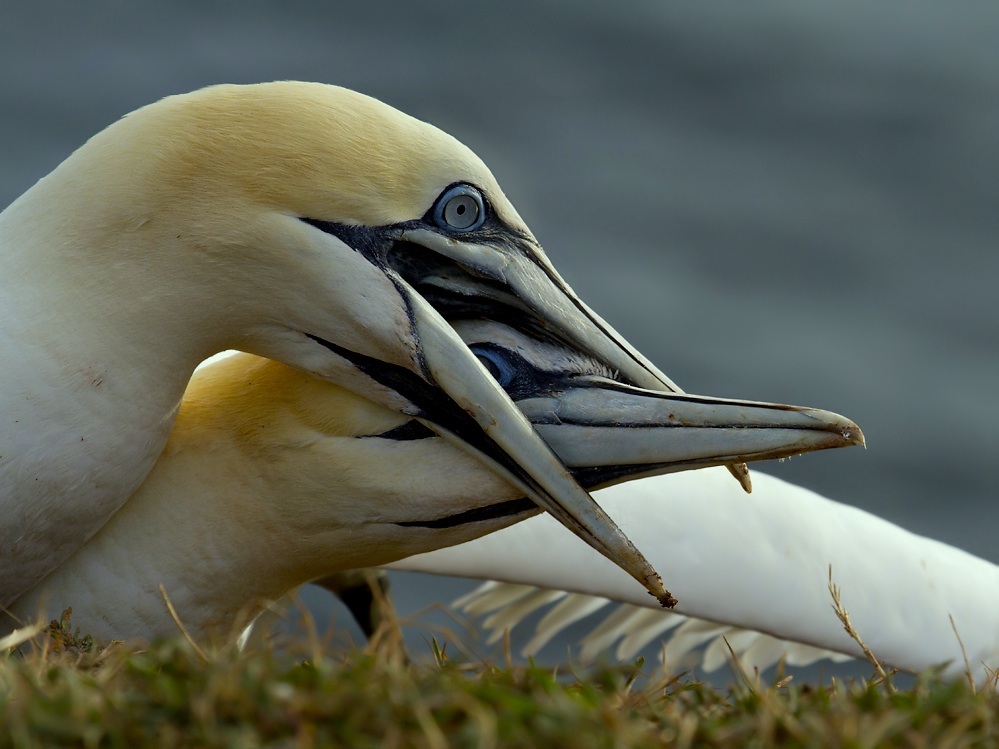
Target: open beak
{"type": "Point", "coordinates": [608, 432]}
{"type": "Point", "coordinates": [504, 276]}
{"type": "Point", "coordinates": [509, 279]}
{"type": "Point", "coordinates": [522, 281]}
{"type": "Point", "coordinates": [474, 412]}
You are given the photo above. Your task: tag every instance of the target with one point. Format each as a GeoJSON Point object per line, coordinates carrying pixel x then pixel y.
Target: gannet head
{"type": "Point", "coordinates": [319, 227]}
{"type": "Point", "coordinates": [272, 478]}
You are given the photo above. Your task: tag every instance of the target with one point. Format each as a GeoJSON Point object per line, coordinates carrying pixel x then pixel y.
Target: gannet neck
{"type": "Point", "coordinates": [96, 357]}
{"type": "Point", "coordinates": [259, 489]}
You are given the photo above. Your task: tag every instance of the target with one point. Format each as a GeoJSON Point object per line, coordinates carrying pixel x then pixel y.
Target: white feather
{"type": "Point", "coordinates": [754, 569]}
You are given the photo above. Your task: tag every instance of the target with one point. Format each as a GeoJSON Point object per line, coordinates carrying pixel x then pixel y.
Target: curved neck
{"type": "Point", "coordinates": [259, 490]}
{"type": "Point", "coordinates": [96, 349]}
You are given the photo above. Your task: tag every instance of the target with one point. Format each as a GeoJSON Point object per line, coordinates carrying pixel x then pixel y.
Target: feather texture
{"type": "Point", "coordinates": [754, 570]}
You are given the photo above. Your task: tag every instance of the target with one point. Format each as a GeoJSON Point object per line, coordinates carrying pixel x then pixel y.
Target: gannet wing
{"type": "Point", "coordinates": [626, 629]}
{"type": "Point", "coordinates": [759, 563]}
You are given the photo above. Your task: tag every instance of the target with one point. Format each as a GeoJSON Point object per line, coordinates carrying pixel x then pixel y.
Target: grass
{"type": "Point", "coordinates": [61, 689]}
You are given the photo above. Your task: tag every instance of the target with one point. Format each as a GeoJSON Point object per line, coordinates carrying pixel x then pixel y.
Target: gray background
{"type": "Point", "coordinates": [777, 200]}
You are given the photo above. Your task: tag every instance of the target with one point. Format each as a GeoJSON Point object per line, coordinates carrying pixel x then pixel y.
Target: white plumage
{"type": "Point", "coordinates": [758, 563]}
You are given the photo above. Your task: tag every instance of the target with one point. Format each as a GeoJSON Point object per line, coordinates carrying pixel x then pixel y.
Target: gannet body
{"type": "Point", "coordinates": [272, 478]}
{"type": "Point", "coordinates": [301, 222]}
{"type": "Point", "coordinates": [753, 569]}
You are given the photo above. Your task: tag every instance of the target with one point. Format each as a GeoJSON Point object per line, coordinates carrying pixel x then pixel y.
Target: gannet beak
{"type": "Point", "coordinates": [607, 431]}
{"type": "Point", "coordinates": [494, 271]}
{"type": "Point", "coordinates": [459, 399]}
{"type": "Point", "coordinates": [442, 268]}
{"type": "Point", "coordinates": [517, 275]}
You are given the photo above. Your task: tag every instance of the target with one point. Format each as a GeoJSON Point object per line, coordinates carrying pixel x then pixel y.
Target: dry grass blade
{"type": "Point", "coordinates": [386, 641]}
{"type": "Point", "coordinates": [844, 617]}
{"type": "Point", "coordinates": [781, 683]}
{"type": "Point", "coordinates": [180, 625]}
{"type": "Point", "coordinates": [964, 653]}
{"type": "Point", "coordinates": [737, 668]}
{"type": "Point", "coordinates": [316, 650]}
{"type": "Point", "coordinates": [21, 635]}
{"type": "Point", "coordinates": [992, 683]}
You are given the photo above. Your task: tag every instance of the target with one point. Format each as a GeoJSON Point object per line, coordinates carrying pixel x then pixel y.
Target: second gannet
{"type": "Point", "coordinates": [272, 478]}
{"type": "Point", "coordinates": [301, 222]}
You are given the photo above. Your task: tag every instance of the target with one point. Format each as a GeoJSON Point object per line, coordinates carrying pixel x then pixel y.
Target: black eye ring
{"type": "Point", "coordinates": [460, 208]}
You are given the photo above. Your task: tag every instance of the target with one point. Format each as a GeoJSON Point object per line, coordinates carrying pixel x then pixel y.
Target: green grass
{"type": "Point", "coordinates": [63, 691]}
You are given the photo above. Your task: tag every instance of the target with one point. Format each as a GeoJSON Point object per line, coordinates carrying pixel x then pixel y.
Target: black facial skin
{"type": "Point", "coordinates": [521, 380]}
{"type": "Point", "coordinates": [457, 291]}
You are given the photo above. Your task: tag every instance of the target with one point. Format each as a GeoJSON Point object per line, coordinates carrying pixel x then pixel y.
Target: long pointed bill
{"type": "Point", "coordinates": [531, 285]}
{"type": "Point", "coordinates": [479, 416]}
{"type": "Point", "coordinates": [607, 431]}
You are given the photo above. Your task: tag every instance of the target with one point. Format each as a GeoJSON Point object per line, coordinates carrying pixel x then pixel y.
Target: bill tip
{"type": "Point", "coordinates": [741, 473]}
{"type": "Point", "coordinates": [667, 601]}
{"type": "Point", "coordinates": [858, 437]}
{"type": "Point", "coordinates": [654, 584]}
{"type": "Point", "coordinates": [854, 436]}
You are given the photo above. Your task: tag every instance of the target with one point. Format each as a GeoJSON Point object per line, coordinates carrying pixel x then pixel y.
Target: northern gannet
{"type": "Point", "coordinates": [301, 222]}
{"type": "Point", "coordinates": [272, 478]}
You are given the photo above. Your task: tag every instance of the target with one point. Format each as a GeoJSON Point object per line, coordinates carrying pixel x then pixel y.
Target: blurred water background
{"type": "Point", "coordinates": [778, 200]}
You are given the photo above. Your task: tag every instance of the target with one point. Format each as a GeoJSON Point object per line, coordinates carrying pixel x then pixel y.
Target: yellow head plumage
{"type": "Point", "coordinates": [308, 149]}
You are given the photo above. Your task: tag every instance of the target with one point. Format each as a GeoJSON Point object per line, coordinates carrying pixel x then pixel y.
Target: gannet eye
{"type": "Point", "coordinates": [460, 208]}
{"type": "Point", "coordinates": [501, 369]}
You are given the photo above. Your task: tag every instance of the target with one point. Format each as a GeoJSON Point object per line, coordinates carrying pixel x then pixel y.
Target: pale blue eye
{"type": "Point", "coordinates": [460, 208]}
{"type": "Point", "coordinates": [496, 364]}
